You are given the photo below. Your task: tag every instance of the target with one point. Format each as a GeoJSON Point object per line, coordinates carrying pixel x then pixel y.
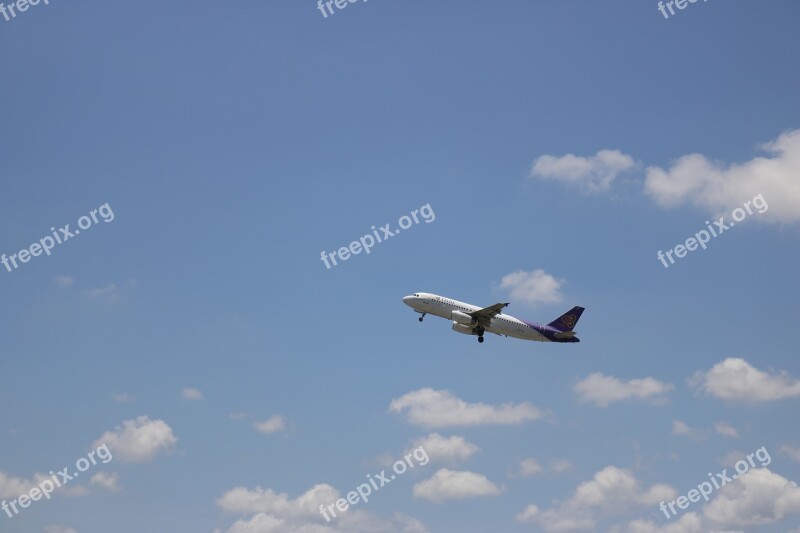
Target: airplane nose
{"type": "Point", "coordinates": [407, 300]}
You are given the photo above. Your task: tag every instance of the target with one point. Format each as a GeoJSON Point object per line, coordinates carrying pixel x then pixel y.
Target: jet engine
{"type": "Point", "coordinates": [462, 318]}
{"type": "Point", "coordinates": [461, 328]}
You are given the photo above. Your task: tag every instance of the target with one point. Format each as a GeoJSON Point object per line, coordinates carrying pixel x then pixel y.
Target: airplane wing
{"type": "Point", "coordinates": [488, 312]}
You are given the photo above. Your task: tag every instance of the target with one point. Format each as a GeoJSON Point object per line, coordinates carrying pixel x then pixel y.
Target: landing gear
{"type": "Point", "coordinates": [423, 316]}
{"type": "Point", "coordinates": [479, 331]}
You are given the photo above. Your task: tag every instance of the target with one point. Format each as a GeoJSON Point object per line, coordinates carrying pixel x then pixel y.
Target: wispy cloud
{"type": "Point", "coordinates": [533, 287]}
{"type": "Point", "coordinates": [735, 379]}
{"type": "Point", "coordinates": [530, 467]}
{"type": "Point", "coordinates": [603, 390]}
{"type": "Point", "coordinates": [63, 280]}
{"type": "Point", "coordinates": [191, 394]}
{"type": "Point", "coordinates": [106, 480]}
{"type": "Point", "coordinates": [726, 430]}
{"type": "Point", "coordinates": [696, 180]}
{"type": "Point", "coordinates": [440, 408]}
{"type": "Point", "coordinates": [449, 450]}
{"type": "Point", "coordinates": [273, 424]}
{"type": "Point", "coordinates": [455, 485]}
{"type": "Point", "coordinates": [267, 511]}
{"type": "Point", "coordinates": [681, 428]}
{"type": "Point", "coordinates": [612, 490]}
{"type": "Point", "coordinates": [589, 174]}
{"type": "Point", "coordinates": [139, 440]}
{"type": "Point", "coordinates": [123, 397]}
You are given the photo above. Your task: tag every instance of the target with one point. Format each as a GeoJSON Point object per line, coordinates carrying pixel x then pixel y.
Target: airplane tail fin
{"type": "Point", "coordinates": [568, 320]}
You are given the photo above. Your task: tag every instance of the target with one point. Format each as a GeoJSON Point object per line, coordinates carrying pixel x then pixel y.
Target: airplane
{"type": "Point", "coordinates": [473, 320]}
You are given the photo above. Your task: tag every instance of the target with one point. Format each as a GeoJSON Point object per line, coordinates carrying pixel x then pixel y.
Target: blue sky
{"type": "Point", "coordinates": [239, 383]}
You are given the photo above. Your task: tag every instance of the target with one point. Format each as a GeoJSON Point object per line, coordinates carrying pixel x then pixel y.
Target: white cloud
{"type": "Point", "coordinates": [345, 523]}
{"type": "Point", "coordinates": [552, 520]}
{"type": "Point", "coordinates": [687, 523]}
{"type": "Point", "coordinates": [735, 379]}
{"type": "Point", "coordinates": [110, 292]}
{"type": "Point", "coordinates": [440, 408]}
{"type": "Point", "coordinates": [590, 174]}
{"type": "Point", "coordinates": [561, 465]}
{"type": "Point", "coordinates": [529, 467]}
{"type": "Point", "coordinates": [106, 480]}
{"type": "Point", "coordinates": [792, 452]}
{"type": "Point", "coordinates": [73, 491]}
{"type": "Point", "coordinates": [455, 485]}
{"type": "Point", "coordinates": [11, 487]}
{"type": "Point", "coordinates": [726, 430]}
{"type": "Point", "coordinates": [680, 427]}
{"type": "Point", "coordinates": [63, 281]}
{"type": "Point", "coordinates": [756, 498]}
{"type": "Point", "coordinates": [272, 512]}
{"type": "Point", "coordinates": [530, 514]}
{"type": "Point", "coordinates": [59, 529]}
{"type": "Point", "coordinates": [612, 490]}
{"type": "Point", "coordinates": [273, 424]}
{"type": "Point", "coordinates": [191, 394]}
{"type": "Point", "coordinates": [449, 450]}
{"type": "Point", "coordinates": [603, 390]}
{"type": "Point", "coordinates": [694, 179]}
{"type": "Point", "coordinates": [245, 501]}
{"type": "Point", "coordinates": [123, 397]}
{"type": "Point", "coordinates": [533, 287]}
{"type": "Point", "coordinates": [260, 523]}
{"type": "Point", "coordinates": [732, 457]}
{"type": "Point", "coordinates": [400, 523]}
{"type": "Point", "coordinates": [139, 440]}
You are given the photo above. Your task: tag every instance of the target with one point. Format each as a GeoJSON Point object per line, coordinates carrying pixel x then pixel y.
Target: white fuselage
{"type": "Point", "coordinates": [500, 324]}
